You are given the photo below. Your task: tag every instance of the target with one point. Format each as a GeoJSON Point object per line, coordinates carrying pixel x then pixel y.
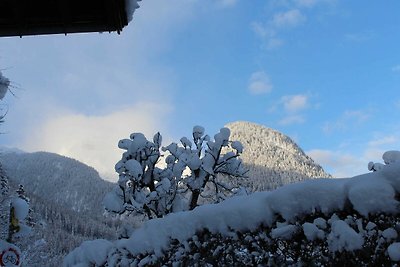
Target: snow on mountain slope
{"type": "Point", "coordinates": [337, 214]}
{"type": "Point", "coordinates": [273, 159]}
{"type": "Point", "coordinates": [66, 200]}
{"type": "Point", "coordinates": [57, 179]}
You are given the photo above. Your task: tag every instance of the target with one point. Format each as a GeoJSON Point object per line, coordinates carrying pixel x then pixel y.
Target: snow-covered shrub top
{"type": "Point", "coordinates": [367, 194]}
{"type": "Point", "coordinates": [21, 208]}
{"type": "Point", "coordinates": [148, 187]}
{"type": "Point", "coordinates": [4, 84]}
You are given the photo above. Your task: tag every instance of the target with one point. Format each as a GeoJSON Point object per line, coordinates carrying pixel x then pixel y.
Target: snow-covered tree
{"type": "Point", "coordinates": [4, 85]}
{"type": "Point", "coordinates": [153, 188]}
{"type": "Point", "coordinates": [21, 193]}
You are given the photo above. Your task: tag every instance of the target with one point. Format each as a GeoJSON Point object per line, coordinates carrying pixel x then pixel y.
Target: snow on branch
{"type": "Point", "coordinates": [4, 85]}
{"type": "Point", "coordinates": [149, 187]}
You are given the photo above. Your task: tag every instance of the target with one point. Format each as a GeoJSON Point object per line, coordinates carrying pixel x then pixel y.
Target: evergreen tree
{"type": "Point", "coordinates": [21, 193]}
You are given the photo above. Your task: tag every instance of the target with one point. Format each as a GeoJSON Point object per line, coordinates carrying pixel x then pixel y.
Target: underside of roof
{"type": "Point", "coordinates": [33, 17]}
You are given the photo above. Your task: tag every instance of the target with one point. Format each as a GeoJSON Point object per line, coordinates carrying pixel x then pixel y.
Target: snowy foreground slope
{"type": "Point", "coordinates": [321, 221]}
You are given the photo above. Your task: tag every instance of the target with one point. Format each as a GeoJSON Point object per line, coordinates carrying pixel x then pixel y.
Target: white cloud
{"type": "Point", "coordinates": [295, 103]}
{"type": "Point", "coordinates": [313, 3]}
{"type": "Point", "coordinates": [306, 3]}
{"type": "Point", "coordinates": [292, 119]}
{"type": "Point", "coordinates": [357, 115]}
{"type": "Point", "coordinates": [346, 162]}
{"type": "Point", "coordinates": [227, 3]}
{"type": "Point", "coordinates": [359, 37]}
{"type": "Point", "coordinates": [339, 164]}
{"type": "Point", "coordinates": [386, 140]}
{"type": "Point", "coordinates": [259, 83]}
{"type": "Point", "coordinates": [396, 68]}
{"type": "Point", "coordinates": [88, 91]}
{"type": "Point", "coordinates": [348, 120]}
{"type": "Point", "coordinates": [292, 107]}
{"type": "Point", "coordinates": [291, 14]}
{"type": "Point", "coordinates": [93, 139]}
{"type": "Point", "coordinates": [290, 18]}
{"type": "Point", "coordinates": [268, 35]}
{"type": "Point", "coordinates": [269, 32]}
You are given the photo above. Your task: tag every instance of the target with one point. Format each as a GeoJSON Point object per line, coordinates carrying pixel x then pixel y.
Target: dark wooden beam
{"type": "Point", "coordinates": [33, 17]}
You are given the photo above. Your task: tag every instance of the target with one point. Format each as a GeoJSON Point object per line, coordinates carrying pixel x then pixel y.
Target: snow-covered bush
{"type": "Point", "coordinates": [14, 209]}
{"type": "Point", "coordinates": [321, 222]}
{"type": "Point", "coordinates": [147, 186]}
{"type": "Point", "coordinates": [18, 210]}
{"type": "Point", "coordinates": [317, 240]}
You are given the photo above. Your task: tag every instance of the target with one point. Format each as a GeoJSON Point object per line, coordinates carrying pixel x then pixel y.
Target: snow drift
{"type": "Point", "coordinates": [367, 194]}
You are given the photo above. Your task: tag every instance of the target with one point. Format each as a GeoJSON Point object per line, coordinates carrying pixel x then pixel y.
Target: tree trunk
{"type": "Point", "coordinates": [194, 199]}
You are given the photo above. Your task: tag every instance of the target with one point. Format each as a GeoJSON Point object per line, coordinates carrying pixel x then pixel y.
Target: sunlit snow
{"type": "Point", "coordinates": [368, 193]}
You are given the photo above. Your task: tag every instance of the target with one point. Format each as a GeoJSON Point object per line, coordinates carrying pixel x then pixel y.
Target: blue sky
{"type": "Point", "coordinates": [324, 72]}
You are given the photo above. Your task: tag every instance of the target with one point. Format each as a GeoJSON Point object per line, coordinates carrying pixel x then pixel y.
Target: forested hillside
{"type": "Point", "coordinates": [273, 159]}
{"type": "Point", "coordinates": [58, 179]}
{"type": "Point", "coordinates": [66, 204]}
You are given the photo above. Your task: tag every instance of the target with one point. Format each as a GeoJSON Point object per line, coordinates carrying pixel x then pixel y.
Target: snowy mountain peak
{"type": "Point", "coordinates": [265, 135]}
{"type": "Point", "coordinates": [273, 158]}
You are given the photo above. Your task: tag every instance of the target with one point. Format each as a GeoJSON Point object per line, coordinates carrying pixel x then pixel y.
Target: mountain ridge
{"type": "Point", "coordinates": [66, 201]}
{"type": "Point", "coordinates": [273, 158]}
{"type": "Point", "coordinates": [54, 175]}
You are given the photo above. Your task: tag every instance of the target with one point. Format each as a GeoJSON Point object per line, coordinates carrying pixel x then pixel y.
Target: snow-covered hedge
{"type": "Point", "coordinates": [322, 221]}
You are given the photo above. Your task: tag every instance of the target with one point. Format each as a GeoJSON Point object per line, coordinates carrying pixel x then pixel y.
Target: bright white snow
{"type": "Point", "coordinates": [343, 237]}
{"type": "Point", "coordinates": [90, 251]}
{"type": "Point", "coordinates": [368, 193]}
{"type": "Point", "coordinates": [21, 208]}
{"type": "Point", "coordinates": [312, 232]}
